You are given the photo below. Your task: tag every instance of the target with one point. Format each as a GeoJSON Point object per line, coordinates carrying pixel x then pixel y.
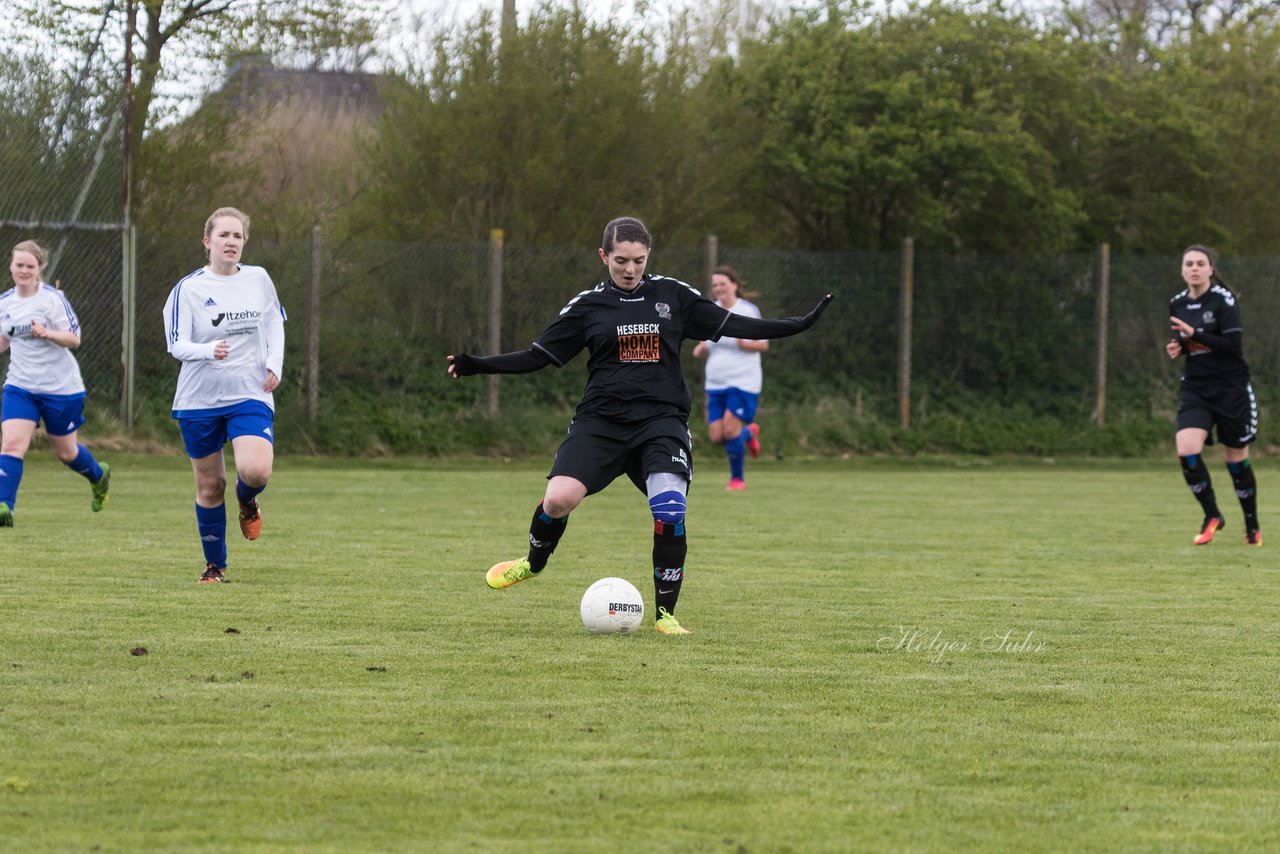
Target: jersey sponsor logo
{"type": "Point", "coordinates": [639, 348]}
{"type": "Point", "coordinates": [20, 331]}
{"type": "Point", "coordinates": [664, 310]}
{"type": "Point", "coordinates": [638, 329]}
{"type": "Point", "coordinates": [236, 316]}
{"type": "Point", "coordinates": [630, 299]}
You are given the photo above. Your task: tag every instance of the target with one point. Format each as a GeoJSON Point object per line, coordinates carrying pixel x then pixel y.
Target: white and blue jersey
{"type": "Point", "coordinates": [38, 365]}
{"type": "Point", "coordinates": [244, 310]}
{"type": "Point", "coordinates": [728, 365]}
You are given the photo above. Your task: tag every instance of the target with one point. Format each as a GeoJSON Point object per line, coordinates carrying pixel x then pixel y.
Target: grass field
{"type": "Point", "coordinates": [886, 656]}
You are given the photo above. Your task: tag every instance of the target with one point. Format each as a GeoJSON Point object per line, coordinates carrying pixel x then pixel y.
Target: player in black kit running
{"type": "Point", "coordinates": [1216, 392]}
{"type": "Point", "coordinates": [634, 414]}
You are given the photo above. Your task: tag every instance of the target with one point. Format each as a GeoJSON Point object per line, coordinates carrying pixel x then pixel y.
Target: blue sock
{"type": "Point", "coordinates": [212, 524]}
{"type": "Point", "coordinates": [736, 450]}
{"type": "Point", "coordinates": [85, 465]}
{"type": "Point", "coordinates": [246, 493]}
{"type": "Point", "coordinates": [10, 477]}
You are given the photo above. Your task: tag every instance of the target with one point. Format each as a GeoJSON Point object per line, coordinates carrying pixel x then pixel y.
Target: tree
{"type": "Point", "coordinates": [552, 132]}
{"type": "Point", "coordinates": [927, 123]}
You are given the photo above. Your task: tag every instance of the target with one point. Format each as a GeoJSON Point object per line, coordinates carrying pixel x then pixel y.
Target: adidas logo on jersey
{"type": "Point", "coordinates": [209, 302]}
{"type": "Point", "coordinates": [266, 430]}
{"type": "Point", "coordinates": [71, 425]}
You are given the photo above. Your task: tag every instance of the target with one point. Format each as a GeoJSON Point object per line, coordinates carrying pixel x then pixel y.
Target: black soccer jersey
{"type": "Point", "coordinates": [1216, 312]}
{"type": "Point", "coordinates": [634, 339]}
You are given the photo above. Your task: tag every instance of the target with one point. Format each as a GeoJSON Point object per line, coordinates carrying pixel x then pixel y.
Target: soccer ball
{"type": "Point", "coordinates": [612, 605]}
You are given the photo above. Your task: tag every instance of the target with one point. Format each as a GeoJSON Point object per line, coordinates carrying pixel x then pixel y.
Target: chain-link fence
{"type": "Point", "coordinates": [61, 172]}
{"type": "Point", "coordinates": [987, 331]}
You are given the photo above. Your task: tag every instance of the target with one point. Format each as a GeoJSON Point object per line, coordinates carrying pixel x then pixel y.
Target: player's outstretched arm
{"type": "Point", "coordinates": [520, 362]}
{"type": "Point", "coordinates": [738, 326]}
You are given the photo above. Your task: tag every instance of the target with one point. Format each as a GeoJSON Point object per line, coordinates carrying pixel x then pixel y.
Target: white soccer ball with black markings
{"type": "Point", "coordinates": [612, 606]}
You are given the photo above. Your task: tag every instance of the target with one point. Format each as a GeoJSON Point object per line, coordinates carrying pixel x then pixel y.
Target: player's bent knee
{"type": "Point", "coordinates": [668, 507]}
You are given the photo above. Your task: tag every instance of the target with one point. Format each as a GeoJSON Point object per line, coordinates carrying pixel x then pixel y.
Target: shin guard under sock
{"type": "Point", "coordinates": [246, 493]}
{"type": "Point", "coordinates": [544, 534]}
{"type": "Point", "coordinates": [212, 524]}
{"type": "Point", "coordinates": [736, 450]}
{"type": "Point", "coordinates": [1197, 476]}
{"type": "Point", "coordinates": [1246, 485]}
{"type": "Point", "coordinates": [85, 465]}
{"type": "Point", "coordinates": [669, 550]}
{"type": "Point", "coordinates": [10, 477]}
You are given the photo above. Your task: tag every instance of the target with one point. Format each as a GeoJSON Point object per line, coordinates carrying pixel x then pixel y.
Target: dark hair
{"type": "Point", "coordinates": [732, 275]}
{"type": "Point", "coordinates": [1212, 254]}
{"type": "Point", "coordinates": [625, 229]}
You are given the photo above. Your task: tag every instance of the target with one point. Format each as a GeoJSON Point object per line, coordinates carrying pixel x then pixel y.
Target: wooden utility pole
{"type": "Point", "coordinates": [495, 310]}
{"type": "Point", "coordinates": [1103, 312]}
{"type": "Point", "coordinates": [313, 325]}
{"type": "Point", "coordinates": [906, 293]}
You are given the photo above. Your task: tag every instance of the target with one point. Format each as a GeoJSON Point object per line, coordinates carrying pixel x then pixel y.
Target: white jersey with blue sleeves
{"type": "Point", "coordinates": [243, 310]}
{"type": "Point", "coordinates": [728, 365]}
{"type": "Point", "coordinates": [38, 365]}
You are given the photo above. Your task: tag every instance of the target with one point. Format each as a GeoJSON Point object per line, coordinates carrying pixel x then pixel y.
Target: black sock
{"type": "Point", "coordinates": [1197, 476]}
{"type": "Point", "coordinates": [669, 550]}
{"type": "Point", "coordinates": [544, 534]}
{"type": "Point", "coordinates": [1246, 490]}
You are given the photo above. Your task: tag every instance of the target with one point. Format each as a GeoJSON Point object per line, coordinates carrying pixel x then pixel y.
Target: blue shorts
{"type": "Point", "coordinates": [205, 431]}
{"type": "Point", "coordinates": [740, 403]}
{"type": "Point", "coordinates": [63, 414]}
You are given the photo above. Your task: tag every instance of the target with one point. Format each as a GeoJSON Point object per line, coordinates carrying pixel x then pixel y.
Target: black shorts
{"type": "Point", "coordinates": [1229, 406]}
{"type": "Point", "coordinates": [597, 450]}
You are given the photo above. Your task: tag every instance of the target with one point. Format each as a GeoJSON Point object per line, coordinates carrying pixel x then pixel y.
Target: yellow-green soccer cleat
{"type": "Point", "coordinates": [6, 515]}
{"type": "Point", "coordinates": [668, 624]}
{"type": "Point", "coordinates": [507, 573]}
{"type": "Point", "coordinates": [101, 488]}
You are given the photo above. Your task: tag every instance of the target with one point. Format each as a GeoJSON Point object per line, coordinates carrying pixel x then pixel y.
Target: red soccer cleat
{"type": "Point", "coordinates": [250, 520]}
{"type": "Point", "coordinates": [1212, 524]}
{"type": "Point", "coordinates": [1253, 538]}
{"type": "Point", "coordinates": [753, 441]}
{"type": "Point", "coordinates": [736, 484]}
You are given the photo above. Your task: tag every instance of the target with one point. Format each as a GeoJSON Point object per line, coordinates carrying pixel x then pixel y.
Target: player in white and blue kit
{"type": "Point", "coordinates": [225, 324]}
{"type": "Point", "coordinates": [39, 328]}
{"type": "Point", "coordinates": [734, 379]}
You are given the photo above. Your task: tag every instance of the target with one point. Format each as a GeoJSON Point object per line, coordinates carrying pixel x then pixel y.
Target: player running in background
{"type": "Point", "coordinates": [1216, 392]}
{"type": "Point", "coordinates": [634, 415]}
{"type": "Point", "coordinates": [39, 328]}
{"type": "Point", "coordinates": [225, 324]}
{"type": "Point", "coordinates": [733, 381]}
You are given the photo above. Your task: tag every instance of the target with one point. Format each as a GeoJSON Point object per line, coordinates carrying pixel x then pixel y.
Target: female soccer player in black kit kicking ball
{"type": "Point", "coordinates": [1215, 390]}
{"type": "Point", "coordinates": [634, 414]}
